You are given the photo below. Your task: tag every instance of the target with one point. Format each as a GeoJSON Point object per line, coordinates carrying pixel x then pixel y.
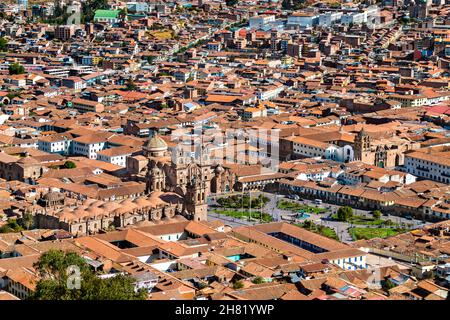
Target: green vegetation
{"type": "Point", "coordinates": [369, 233]}
{"type": "Point", "coordinates": [27, 221]}
{"type": "Point", "coordinates": [245, 214]}
{"type": "Point", "coordinates": [376, 214]}
{"type": "Point", "coordinates": [245, 201]}
{"type": "Point", "coordinates": [360, 220]}
{"type": "Point", "coordinates": [344, 213]}
{"type": "Point", "coordinates": [89, 8]}
{"type": "Point", "coordinates": [3, 45]}
{"type": "Point", "coordinates": [231, 3]}
{"type": "Point", "coordinates": [59, 16]}
{"type": "Point", "coordinates": [55, 267]}
{"type": "Point", "coordinates": [70, 165]}
{"type": "Point", "coordinates": [16, 68]}
{"type": "Point", "coordinates": [238, 285]}
{"type": "Point", "coordinates": [322, 230]}
{"type": "Point", "coordinates": [293, 206]}
{"type": "Point", "coordinates": [202, 285]}
{"type": "Point", "coordinates": [293, 4]}
{"type": "Point", "coordinates": [11, 226]}
{"type": "Point", "coordinates": [387, 285]}
{"type": "Point", "coordinates": [258, 280]}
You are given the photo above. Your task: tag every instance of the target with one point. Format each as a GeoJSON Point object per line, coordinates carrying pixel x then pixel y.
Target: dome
{"type": "Point", "coordinates": [120, 211]}
{"type": "Point", "coordinates": [110, 206]}
{"type": "Point", "coordinates": [53, 196]}
{"type": "Point", "coordinates": [89, 201]}
{"type": "Point", "coordinates": [156, 143]}
{"type": "Point", "coordinates": [142, 202]}
{"type": "Point", "coordinates": [81, 213]}
{"type": "Point", "coordinates": [127, 203]}
{"type": "Point", "coordinates": [95, 211]}
{"type": "Point", "coordinates": [97, 203]}
{"type": "Point", "coordinates": [80, 209]}
{"type": "Point", "coordinates": [67, 216]}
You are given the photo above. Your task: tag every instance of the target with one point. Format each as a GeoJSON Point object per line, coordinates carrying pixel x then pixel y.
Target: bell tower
{"type": "Point", "coordinates": [197, 193]}
{"type": "Point", "coordinates": [156, 179]}
{"type": "Point", "coordinates": [362, 145]}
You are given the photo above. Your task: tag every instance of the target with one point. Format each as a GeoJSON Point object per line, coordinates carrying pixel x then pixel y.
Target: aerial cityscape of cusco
{"type": "Point", "coordinates": [224, 150]}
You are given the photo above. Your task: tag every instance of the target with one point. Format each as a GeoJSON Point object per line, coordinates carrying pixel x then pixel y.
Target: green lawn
{"type": "Point", "coordinates": [245, 214]}
{"type": "Point", "coordinates": [293, 206]}
{"type": "Point", "coordinates": [322, 230]}
{"type": "Point", "coordinates": [239, 201]}
{"type": "Point", "coordinates": [366, 221]}
{"type": "Point", "coordinates": [369, 233]}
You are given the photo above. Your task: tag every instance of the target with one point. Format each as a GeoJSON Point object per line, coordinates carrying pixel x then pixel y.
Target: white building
{"type": "Point", "coordinates": [369, 14]}
{"type": "Point", "coordinates": [260, 21]}
{"type": "Point", "coordinates": [269, 92]}
{"type": "Point", "coordinates": [328, 18]}
{"type": "Point", "coordinates": [137, 7]}
{"type": "Point", "coordinates": [351, 263]}
{"type": "Point", "coordinates": [89, 145]}
{"type": "Point", "coordinates": [117, 156]}
{"type": "Point", "coordinates": [54, 144]}
{"type": "Point", "coordinates": [303, 19]}
{"type": "Point", "coordinates": [305, 147]}
{"type": "Point", "coordinates": [433, 166]}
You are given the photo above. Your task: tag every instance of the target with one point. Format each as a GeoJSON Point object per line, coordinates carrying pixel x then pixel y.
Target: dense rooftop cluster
{"type": "Point", "coordinates": [120, 124]}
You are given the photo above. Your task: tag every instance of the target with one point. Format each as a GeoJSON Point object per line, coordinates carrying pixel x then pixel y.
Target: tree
{"type": "Point", "coordinates": [70, 165]}
{"type": "Point", "coordinates": [3, 44]}
{"type": "Point", "coordinates": [56, 270]}
{"type": "Point", "coordinates": [387, 285]}
{"type": "Point", "coordinates": [308, 224]}
{"type": "Point", "coordinates": [11, 226]}
{"type": "Point", "coordinates": [292, 4]}
{"type": "Point", "coordinates": [286, 4]}
{"type": "Point", "coordinates": [258, 280]}
{"type": "Point", "coordinates": [88, 10]}
{"type": "Point", "coordinates": [27, 221]}
{"type": "Point", "coordinates": [16, 68]}
{"type": "Point", "coordinates": [344, 213]}
{"type": "Point", "coordinates": [238, 285]}
{"type": "Point", "coordinates": [376, 214]}
{"type": "Point", "coordinates": [231, 3]}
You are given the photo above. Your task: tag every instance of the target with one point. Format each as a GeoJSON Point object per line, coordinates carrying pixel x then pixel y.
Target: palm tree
{"type": "Point", "coordinates": [27, 220]}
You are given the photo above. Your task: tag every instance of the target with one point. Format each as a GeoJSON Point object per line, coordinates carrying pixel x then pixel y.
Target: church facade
{"type": "Point", "coordinates": [190, 174]}
{"type": "Point", "coordinates": [384, 153]}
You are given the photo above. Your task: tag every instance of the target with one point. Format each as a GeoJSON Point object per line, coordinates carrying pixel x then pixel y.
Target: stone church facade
{"type": "Point", "coordinates": [192, 177]}
{"type": "Point", "coordinates": [384, 153]}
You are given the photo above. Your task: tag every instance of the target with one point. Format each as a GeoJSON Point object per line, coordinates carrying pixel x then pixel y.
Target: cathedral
{"type": "Point", "coordinates": [190, 174]}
